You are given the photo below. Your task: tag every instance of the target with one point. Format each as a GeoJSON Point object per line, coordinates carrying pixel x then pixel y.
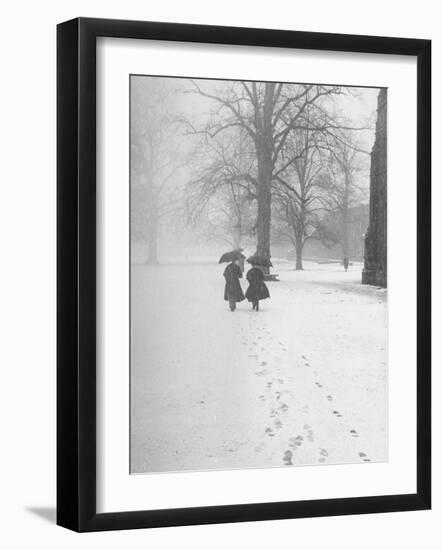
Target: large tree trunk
{"type": "Point", "coordinates": [298, 225]}
{"type": "Point", "coordinates": [237, 231]}
{"type": "Point", "coordinates": [345, 230]}
{"type": "Point", "coordinates": [298, 249]}
{"type": "Point", "coordinates": [264, 150]}
{"type": "Point", "coordinates": [345, 206]}
{"type": "Point", "coordinates": [263, 214]}
{"type": "Point", "coordinates": [264, 217]}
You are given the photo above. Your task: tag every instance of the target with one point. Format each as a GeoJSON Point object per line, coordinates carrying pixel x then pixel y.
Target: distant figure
{"type": "Point", "coordinates": [233, 292]}
{"type": "Point", "coordinates": [257, 288]}
{"type": "Point", "coordinates": [345, 263]}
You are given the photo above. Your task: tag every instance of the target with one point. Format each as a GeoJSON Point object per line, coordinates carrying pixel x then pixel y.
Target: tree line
{"type": "Point", "coordinates": [255, 158]}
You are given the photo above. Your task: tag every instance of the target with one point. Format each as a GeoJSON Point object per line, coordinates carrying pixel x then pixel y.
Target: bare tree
{"type": "Point", "coordinates": [345, 181]}
{"type": "Point", "coordinates": [321, 144]}
{"type": "Point", "coordinates": [299, 190]}
{"type": "Point", "coordinates": [155, 161]}
{"type": "Point", "coordinates": [223, 187]}
{"type": "Point", "coordinates": [268, 112]}
{"type": "Point", "coordinates": [217, 222]}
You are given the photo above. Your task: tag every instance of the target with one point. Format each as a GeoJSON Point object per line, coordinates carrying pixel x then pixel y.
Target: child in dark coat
{"type": "Point", "coordinates": [233, 292]}
{"type": "Point", "coordinates": [257, 288]}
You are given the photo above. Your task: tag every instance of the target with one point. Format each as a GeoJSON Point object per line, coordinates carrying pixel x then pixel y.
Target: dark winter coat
{"type": "Point", "coordinates": [233, 290]}
{"type": "Point", "coordinates": [257, 288]}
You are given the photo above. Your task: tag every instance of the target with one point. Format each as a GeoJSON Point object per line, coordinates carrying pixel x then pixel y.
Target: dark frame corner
{"type": "Point", "coordinates": [76, 284]}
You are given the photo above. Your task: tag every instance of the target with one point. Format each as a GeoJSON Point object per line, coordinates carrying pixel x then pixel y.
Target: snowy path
{"type": "Point", "coordinates": [301, 382]}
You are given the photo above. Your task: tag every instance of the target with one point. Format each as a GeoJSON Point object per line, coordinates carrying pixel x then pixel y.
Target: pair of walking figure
{"type": "Point", "coordinates": [256, 291]}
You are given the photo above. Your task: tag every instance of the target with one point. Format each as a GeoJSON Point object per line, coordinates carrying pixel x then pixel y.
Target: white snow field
{"type": "Point", "coordinates": [301, 382]}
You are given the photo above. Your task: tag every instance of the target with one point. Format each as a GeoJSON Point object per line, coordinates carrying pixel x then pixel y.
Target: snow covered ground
{"type": "Point", "coordinates": [303, 381]}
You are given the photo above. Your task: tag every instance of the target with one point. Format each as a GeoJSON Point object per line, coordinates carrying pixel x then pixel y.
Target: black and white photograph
{"type": "Point", "coordinates": [219, 317]}
{"type": "Point", "coordinates": [258, 274]}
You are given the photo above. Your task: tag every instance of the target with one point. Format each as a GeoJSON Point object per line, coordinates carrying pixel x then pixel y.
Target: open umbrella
{"type": "Point", "coordinates": [259, 260]}
{"type": "Point", "coordinates": [231, 256]}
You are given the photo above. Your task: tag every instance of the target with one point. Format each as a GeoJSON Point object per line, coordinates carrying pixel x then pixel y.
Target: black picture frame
{"type": "Point", "coordinates": [76, 274]}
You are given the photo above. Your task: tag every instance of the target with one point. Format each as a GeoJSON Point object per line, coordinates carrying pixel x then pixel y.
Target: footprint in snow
{"type": "Point", "coordinates": [337, 414]}
{"type": "Point", "coordinates": [287, 458]}
{"type": "Point", "coordinates": [364, 457]}
{"type": "Point", "coordinates": [295, 442]}
{"type": "Point", "coordinates": [309, 431]}
{"type": "Point", "coordinates": [354, 433]}
{"type": "Point", "coordinates": [323, 456]}
{"type": "Point", "coordinates": [329, 397]}
{"type": "Point", "coordinates": [269, 432]}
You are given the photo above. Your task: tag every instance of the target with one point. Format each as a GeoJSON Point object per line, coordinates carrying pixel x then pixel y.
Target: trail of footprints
{"type": "Point", "coordinates": [336, 414]}
{"type": "Point", "coordinates": [281, 408]}
{"type": "Point", "coordinates": [274, 393]}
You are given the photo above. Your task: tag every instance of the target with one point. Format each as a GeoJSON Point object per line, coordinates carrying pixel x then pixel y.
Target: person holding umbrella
{"type": "Point", "coordinates": [257, 288]}
{"type": "Point", "coordinates": [232, 274]}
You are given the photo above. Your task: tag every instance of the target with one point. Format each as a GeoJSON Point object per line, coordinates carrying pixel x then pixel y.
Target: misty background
{"type": "Point", "coordinates": [278, 168]}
